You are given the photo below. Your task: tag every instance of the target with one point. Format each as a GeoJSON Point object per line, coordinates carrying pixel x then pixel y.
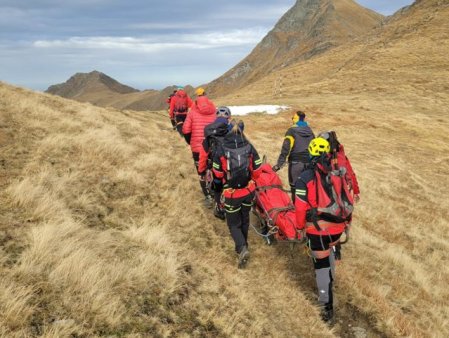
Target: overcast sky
{"type": "Point", "coordinates": [141, 43]}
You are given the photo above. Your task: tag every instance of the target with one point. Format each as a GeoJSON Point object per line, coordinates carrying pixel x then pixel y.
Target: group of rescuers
{"type": "Point", "coordinates": [300, 148]}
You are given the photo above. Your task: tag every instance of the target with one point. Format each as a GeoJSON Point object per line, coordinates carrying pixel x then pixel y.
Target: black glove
{"type": "Point", "coordinates": [173, 123]}
{"type": "Point", "coordinates": [275, 168]}
{"type": "Point", "coordinates": [312, 215]}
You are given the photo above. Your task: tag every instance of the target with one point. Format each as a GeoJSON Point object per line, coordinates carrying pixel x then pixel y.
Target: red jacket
{"type": "Point", "coordinates": [201, 114]}
{"type": "Point", "coordinates": [202, 163]}
{"type": "Point", "coordinates": [179, 96]}
{"type": "Point", "coordinates": [305, 201]}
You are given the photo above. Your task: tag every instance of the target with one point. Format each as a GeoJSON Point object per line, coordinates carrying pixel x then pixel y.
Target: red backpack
{"type": "Point", "coordinates": [334, 181]}
{"type": "Point", "coordinates": [333, 197]}
{"type": "Point", "coordinates": [181, 104]}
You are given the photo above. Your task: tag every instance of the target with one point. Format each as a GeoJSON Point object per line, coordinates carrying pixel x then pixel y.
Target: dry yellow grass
{"type": "Point", "coordinates": [102, 231]}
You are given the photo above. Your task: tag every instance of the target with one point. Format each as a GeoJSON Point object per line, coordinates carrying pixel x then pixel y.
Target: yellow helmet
{"type": "Point", "coordinates": [199, 91]}
{"type": "Point", "coordinates": [319, 146]}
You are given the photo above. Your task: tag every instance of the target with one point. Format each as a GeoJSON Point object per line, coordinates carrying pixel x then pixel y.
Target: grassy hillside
{"type": "Point", "coordinates": [102, 233]}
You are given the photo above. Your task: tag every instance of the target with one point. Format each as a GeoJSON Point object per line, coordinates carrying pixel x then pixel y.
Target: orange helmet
{"type": "Point", "coordinates": [200, 91]}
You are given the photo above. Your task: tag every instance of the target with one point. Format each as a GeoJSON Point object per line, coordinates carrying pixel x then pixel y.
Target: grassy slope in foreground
{"type": "Point", "coordinates": [103, 233]}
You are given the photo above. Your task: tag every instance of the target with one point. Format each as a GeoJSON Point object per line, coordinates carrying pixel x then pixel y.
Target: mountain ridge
{"type": "Point", "coordinates": [306, 30]}
{"type": "Point", "coordinates": [102, 90]}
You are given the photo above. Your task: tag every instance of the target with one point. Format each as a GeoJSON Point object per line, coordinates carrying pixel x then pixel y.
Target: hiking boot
{"type": "Point", "coordinates": [327, 313]}
{"type": "Point", "coordinates": [243, 258]}
{"type": "Point", "coordinates": [219, 213]}
{"type": "Point", "coordinates": [208, 201]}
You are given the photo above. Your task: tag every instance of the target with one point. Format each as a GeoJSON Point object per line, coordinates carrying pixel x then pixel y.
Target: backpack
{"type": "Point", "coordinates": [333, 182]}
{"type": "Point", "coordinates": [214, 134]}
{"type": "Point", "coordinates": [180, 102]}
{"type": "Point", "coordinates": [334, 200]}
{"type": "Point", "coordinates": [339, 158]}
{"type": "Point", "coordinates": [238, 164]}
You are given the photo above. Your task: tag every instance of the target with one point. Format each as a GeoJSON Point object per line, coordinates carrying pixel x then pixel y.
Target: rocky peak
{"type": "Point", "coordinates": [309, 28]}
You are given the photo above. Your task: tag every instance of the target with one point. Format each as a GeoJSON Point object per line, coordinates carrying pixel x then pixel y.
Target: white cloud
{"type": "Point", "coordinates": [158, 44]}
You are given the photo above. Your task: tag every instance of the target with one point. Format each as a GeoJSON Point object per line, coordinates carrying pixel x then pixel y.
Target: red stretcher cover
{"type": "Point", "coordinates": [271, 199]}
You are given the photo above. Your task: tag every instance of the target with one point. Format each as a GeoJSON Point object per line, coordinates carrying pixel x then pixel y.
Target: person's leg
{"type": "Point", "coordinates": [218, 189]}
{"type": "Point", "coordinates": [202, 179]}
{"type": "Point", "coordinates": [294, 170]}
{"type": "Point", "coordinates": [180, 118]}
{"type": "Point", "coordinates": [321, 252]}
{"type": "Point", "coordinates": [234, 221]}
{"type": "Point", "coordinates": [246, 208]}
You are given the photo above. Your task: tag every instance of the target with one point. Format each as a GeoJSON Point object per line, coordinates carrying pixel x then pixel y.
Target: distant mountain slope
{"type": "Point", "coordinates": [409, 52]}
{"type": "Point", "coordinates": [102, 90]}
{"type": "Point", "coordinates": [82, 84]}
{"type": "Point", "coordinates": [309, 28]}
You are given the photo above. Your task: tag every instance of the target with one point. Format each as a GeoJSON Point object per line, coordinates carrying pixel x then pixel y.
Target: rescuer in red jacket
{"type": "Point", "coordinates": [168, 101]}
{"type": "Point", "coordinates": [180, 104]}
{"type": "Point", "coordinates": [201, 114]}
{"type": "Point", "coordinates": [323, 208]}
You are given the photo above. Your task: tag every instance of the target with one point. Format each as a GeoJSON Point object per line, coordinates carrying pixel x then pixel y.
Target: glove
{"type": "Point", "coordinates": [312, 215]}
{"type": "Point", "coordinates": [275, 168]}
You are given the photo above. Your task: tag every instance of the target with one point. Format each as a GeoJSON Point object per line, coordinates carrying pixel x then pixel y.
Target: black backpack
{"type": "Point", "coordinates": [237, 166]}
{"type": "Point", "coordinates": [214, 134]}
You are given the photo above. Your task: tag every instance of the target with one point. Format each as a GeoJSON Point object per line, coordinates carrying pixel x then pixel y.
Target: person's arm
{"type": "Point", "coordinates": [187, 128]}
{"type": "Point", "coordinates": [287, 146]}
{"type": "Point", "coordinates": [217, 166]}
{"type": "Point", "coordinates": [256, 163]}
{"type": "Point", "coordinates": [202, 163]}
{"type": "Point", "coordinates": [305, 199]}
{"type": "Point", "coordinates": [189, 102]}
{"type": "Point", "coordinates": [172, 108]}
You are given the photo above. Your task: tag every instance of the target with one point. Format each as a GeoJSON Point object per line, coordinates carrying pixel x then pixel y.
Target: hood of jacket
{"type": "Point", "coordinates": [304, 131]}
{"type": "Point", "coordinates": [204, 106]}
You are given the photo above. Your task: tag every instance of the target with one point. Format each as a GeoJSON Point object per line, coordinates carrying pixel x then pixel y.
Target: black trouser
{"type": "Point", "coordinates": [237, 218]}
{"type": "Point", "coordinates": [217, 188]}
{"type": "Point", "coordinates": [294, 170]}
{"type": "Point", "coordinates": [203, 183]}
{"type": "Point", "coordinates": [179, 119]}
{"type": "Point", "coordinates": [324, 267]}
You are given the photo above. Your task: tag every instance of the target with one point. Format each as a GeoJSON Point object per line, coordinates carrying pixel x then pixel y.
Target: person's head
{"type": "Point", "coordinates": [179, 88]}
{"type": "Point", "coordinates": [331, 137]}
{"type": "Point", "coordinates": [298, 116]}
{"type": "Point", "coordinates": [236, 127]}
{"type": "Point", "coordinates": [223, 112]}
{"type": "Point", "coordinates": [318, 146]}
{"type": "Point", "coordinates": [200, 91]}
{"type": "Point", "coordinates": [174, 91]}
